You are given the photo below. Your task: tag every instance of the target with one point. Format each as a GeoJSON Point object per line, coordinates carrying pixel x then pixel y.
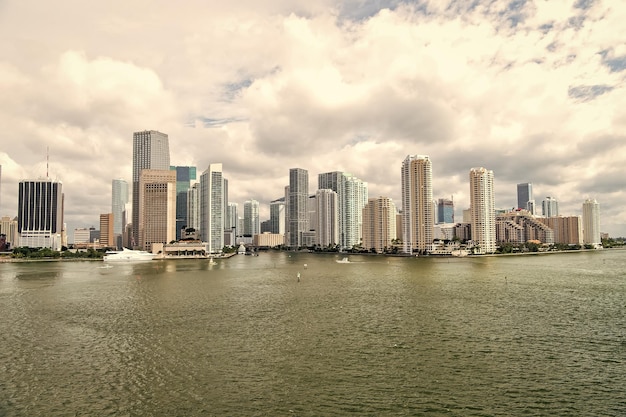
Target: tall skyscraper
{"type": "Point", "coordinates": [150, 151]}
{"type": "Point", "coordinates": [184, 177]}
{"type": "Point", "coordinates": [277, 216]}
{"type": "Point", "coordinates": [417, 208]}
{"type": "Point", "coordinates": [327, 222]}
{"type": "Point", "coordinates": [119, 200]}
{"type": "Point", "coordinates": [352, 194]}
{"type": "Point", "coordinates": [591, 223]}
{"type": "Point", "coordinates": [482, 208]}
{"type": "Point", "coordinates": [233, 218]}
{"type": "Point", "coordinates": [550, 207]}
{"type": "Point", "coordinates": [379, 224]}
{"type": "Point", "coordinates": [157, 207]}
{"type": "Point", "coordinates": [298, 210]}
{"type": "Point", "coordinates": [251, 220]}
{"type": "Point", "coordinates": [193, 207]}
{"type": "Point", "coordinates": [525, 197]}
{"type": "Point", "coordinates": [40, 214]}
{"type": "Point", "coordinates": [212, 214]}
{"type": "Point", "coordinates": [445, 211]}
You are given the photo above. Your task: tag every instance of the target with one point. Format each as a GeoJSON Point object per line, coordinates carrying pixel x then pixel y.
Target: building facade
{"type": "Point", "coordinates": [327, 218]}
{"type": "Point", "coordinates": [119, 200]}
{"type": "Point", "coordinates": [40, 214]}
{"type": "Point", "coordinates": [8, 227]}
{"type": "Point", "coordinates": [212, 214]}
{"type": "Point", "coordinates": [277, 216]}
{"type": "Point", "coordinates": [150, 151]}
{"type": "Point", "coordinates": [379, 224]}
{"type": "Point", "coordinates": [445, 210]}
{"type": "Point", "coordinates": [568, 230]}
{"type": "Point", "coordinates": [417, 209]}
{"type": "Point", "coordinates": [298, 206]}
{"type": "Point", "coordinates": [251, 219]}
{"type": "Point", "coordinates": [185, 177]}
{"type": "Point", "coordinates": [550, 207]}
{"type": "Point", "coordinates": [107, 239]}
{"type": "Point", "coordinates": [157, 207]}
{"type": "Point", "coordinates": [482, 209]}
{"type": "Point", "coordinates": [591, 223]}
{"type": "Point", "coordinates": [525, 200]}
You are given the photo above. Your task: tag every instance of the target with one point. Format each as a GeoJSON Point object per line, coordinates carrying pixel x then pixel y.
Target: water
{"type": "Point", "coordinates": [499, 336]}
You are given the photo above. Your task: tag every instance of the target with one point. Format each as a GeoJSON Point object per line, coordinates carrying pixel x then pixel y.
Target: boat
{"type": "Point", "coordinates": [342, 261]}
{"type": "Point", "coordinates": [127, 255]}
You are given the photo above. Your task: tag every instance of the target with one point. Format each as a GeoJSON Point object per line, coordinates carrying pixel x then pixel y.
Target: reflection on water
{"type": "Point", "coordinates": [541, 335]}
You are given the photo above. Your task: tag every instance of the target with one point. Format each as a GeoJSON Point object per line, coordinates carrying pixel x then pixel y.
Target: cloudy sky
{"type": "Point", "coordinates": [531, 89]}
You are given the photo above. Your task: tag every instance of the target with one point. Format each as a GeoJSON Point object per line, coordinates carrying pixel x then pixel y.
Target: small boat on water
{"type": "Point", "coordinates": [127, 255]}
{"type": "Point", "coordinates": [342, 261]}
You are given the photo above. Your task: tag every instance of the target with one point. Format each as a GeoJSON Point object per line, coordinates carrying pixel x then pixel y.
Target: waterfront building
{"type": "Point", "coordinates": [568, 230]}
{"type": "Point", "coordinates": [251, 219]}
{"type": "Point", "coordinates": [550, 207]}
{"type": "Point", "coordinates": [482, 209]}
{"type": "Point", "coordinates": [193, 207]}
{"type": "Point", "coordinates": [286, 197]}
{"type": "Point", "coordinates": [185, 177]}
{"type": "Point", "coordinates": [525, 199]}
{"type": "Point", "coordinates": [106, 231]}
{"type": "Point", "coordinates": [445, 210]}
{"type": "Point", "coordinates": [212, 214]}
{"type": "Point", "coordinates": [157, 207]}
{"type": "Point", "coordinates": [150, 151]}
{"type": "Point", "coordinates": [298, 206]}
{"type": "Point", "coordinates": [327, 218]}
{"type": "Point", "coordinates": [268, 240]}
{"type": "Point", "coordinates": [519, 226]}
{"type": "Point", "coordinates": [8, 227]}
{"type": "Point", "coordinates": [277, 216]}
{"type": "Point", "coordinates": [40, 213]}
{"type": "Point", "coordinates": [417, 209]}
{"type": "Point", "coordinates": [591, 223]}
{"type": "Point", "coordinates": [352, 195]}
{"type": "Point", "coordinates": [119, 200]}
{"type": "Point", "coordinates": [379, 224]}
{"type": "Point", "coordinates": [82, 235]}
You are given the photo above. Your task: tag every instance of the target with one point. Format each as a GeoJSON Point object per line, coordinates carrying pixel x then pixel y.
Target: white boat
{"type": "Point", "coordinates": [342, 261]}
{"type": "Point", "coordinates": [127, 255]}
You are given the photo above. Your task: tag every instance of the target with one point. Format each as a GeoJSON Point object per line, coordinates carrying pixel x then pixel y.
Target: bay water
{"type": "Point", "coordinates": [379, 336]}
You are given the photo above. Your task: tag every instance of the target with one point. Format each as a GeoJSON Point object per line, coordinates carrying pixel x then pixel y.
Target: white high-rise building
{"type": "Point", "coordinates": [482, 209]}
{"type": "Point", "coordinates": [150, 151]}
{"type": "Point", "coordinates": [298, 206]}
{"type": "Point", "coordinates": [591, 223]}
{"type": "Point", "coordinates": [352, 194]}
{"type": "Point", "coordinates": [251, 220]}
{"type": "Point", "coordinates": [327, 212]}
{"type": "Point", "coordinates": [418, 215]}
{"type": "Point", "coordinates": [550, 207]}
{"type": "Point", "coordinates": [212, 214]}
{"type": "Point", "coordinates": [233, 217]}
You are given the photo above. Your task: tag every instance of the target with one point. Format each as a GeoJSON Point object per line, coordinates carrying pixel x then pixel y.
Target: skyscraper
{"type": "Point", "coordinates": [445, 211]}
{"type": "Point", "coordinates": [119, 200]}
{"type": "Point", "coordinates": [417, 208]}
{"type": "Point", "coordinates": [525, 197]}
{"type": "Point", "coordinates": [157, 207]}
{"type": "Point", "coordinates": [550, 207]}
{"type": "Point", "coordinates": [212, 214]}
{"type": "Point", "coordinates": [40, 213]}
{"type": "Point", "coordinates": [352, 194]}
{"type": "Point", "coordinates": [193, 207]}
{"type": "Point", "coordinates": [482, 208]}
{"type": "Point", "coordinates": [233, 218]}
{"type": "Point", "coordinates": [251, 220]}
{"type": "Point", "coordinates": [184, 177]}
{"type": "Point", "coordinates": [379, 224]}
{"type": "Point", "coordinates": [591, 223]}
{"type": "Point", "coordinates": [277, 216]}
{"type": "Point", "coordinates": [150, 151]}
{"type": "Point", "coordinates": [298, 210]}
{"type": "Point", "coordinates": [327, 222]}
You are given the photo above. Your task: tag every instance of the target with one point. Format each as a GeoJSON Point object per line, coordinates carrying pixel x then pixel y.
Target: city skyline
{"type": "Point", "coordinates": [533, 91]}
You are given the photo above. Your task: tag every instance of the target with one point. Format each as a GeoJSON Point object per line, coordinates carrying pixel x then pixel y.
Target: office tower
{"type": "Point", "coordinates": [277, 216]}
{"type": "Point", "coordinates": [40, 213]}
{"type": "Point", "coordinates": [525, 196]}
{"type": "Point", "coordinates": [251, 220]}
{"type": "Point", "coordinates": [157, 207]}
{"type": "Point", "coordinates": [298, 210]}
{"type": "Point", "coordinates": [193, 207]}
{"type": "Point", "coordinates": [106, 230]}
{"type": "Point", "coordinates": [82, 235]}
{"type": "Point", "coordinates": [352, 194]}
{"type": "Point", "coordinates": [119, 200]}
{"type": "Point", "coordinates": [550, 207]}
{"type": "Point", "coordinates": [286, 197]}
{"type": "Point", "coordinates": [212, 214]}
{"type": "Point", "coordinates": [184, 177]}
{"type": "Point", "coordinates": [150, 151]}
{"type": "Point", "coordinates": [233, 217]}
{"type": "Point", "coordinates": [8, 227]}
{"type": "Point", "coordinates": [379, 224]}
{"type": "Point", "coordinates": [482, 208]}
{"type": "Point", "coordinates": [327, 212]}
{"type": "Point", "coordinates": [591, 223]}
{"type": "Point", "coordinates": [417, 209]}
{"type": "Point", "coordinates": [445, 211]}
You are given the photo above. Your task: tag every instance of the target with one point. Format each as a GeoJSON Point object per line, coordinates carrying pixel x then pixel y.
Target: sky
{"type": "Point", "coordinates": [533, 90]}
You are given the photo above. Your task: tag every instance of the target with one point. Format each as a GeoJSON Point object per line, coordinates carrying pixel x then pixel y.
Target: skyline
{"type": "Point", "coordinates": [532, 91]}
